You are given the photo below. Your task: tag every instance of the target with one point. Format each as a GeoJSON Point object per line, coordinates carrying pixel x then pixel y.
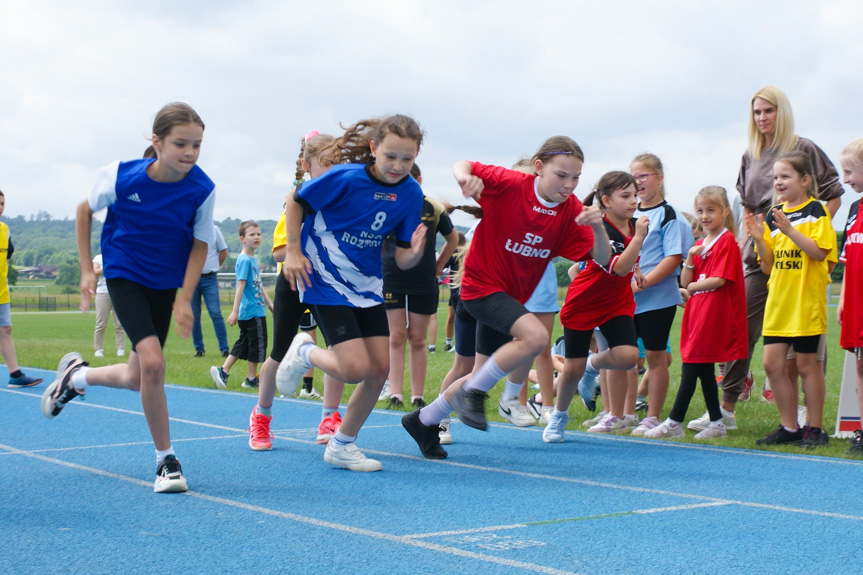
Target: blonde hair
{"type": "Point", "coordinates": [853, 153]}
{"type": "Point", "coordinates": [310, 149]}
{"type": "Point", "coordinates": [524, 165]}
{"type": "Point", "coordinates": [718, 196]}
{"type": "Point", "coordinates": [652, 162]}
{"type": "Point", "coordinates": [697, 230]}
{"type": "Point", "coordinates": [784, 139]}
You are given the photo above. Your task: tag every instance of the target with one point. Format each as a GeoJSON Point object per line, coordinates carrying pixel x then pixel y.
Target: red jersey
{"type": "Point", "coordinates": [852, 256]}
{"type": "Point", "coordinates": [714, 326]}
{"type": "Point", "coordinates": [597, 294]}
{"type": "Point", "coordinates": [518, 235]}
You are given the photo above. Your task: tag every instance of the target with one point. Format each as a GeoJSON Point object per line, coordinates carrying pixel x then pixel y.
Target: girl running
{"type": "Point", "coordinates": [796, 247]}
{"type": "Point", "coordinates": [154, 240]}
{"type": "Point", "coordinates": [289, 314]}
{"type": "Point", "coordinates": [713, 279]}
{"type": "Point", "coordinates": [504, 264]}
{"type": "Point", "coordinates": [668, 240]}
{"type": "Point", "coordinates": [336, 263]}
{"type": "Point", "coordinates": [849, 313]}
{"type": "Point", "coordinates": [601, 296]}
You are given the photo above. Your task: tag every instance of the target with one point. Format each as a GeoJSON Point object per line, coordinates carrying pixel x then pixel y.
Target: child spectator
{"type": "Point", "coordinates": [250, 311]}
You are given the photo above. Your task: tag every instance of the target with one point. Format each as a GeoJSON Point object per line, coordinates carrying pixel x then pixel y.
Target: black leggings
{"type": "Point", "coordinates": [691, 373]}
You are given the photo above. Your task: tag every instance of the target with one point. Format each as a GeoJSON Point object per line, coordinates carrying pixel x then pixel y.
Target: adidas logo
{"type": "Point", "coordinates": [134, 198]}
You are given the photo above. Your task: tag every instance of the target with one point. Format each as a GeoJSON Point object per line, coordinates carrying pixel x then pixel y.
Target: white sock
{"type": "Point", "coordinates": [304, 352]}
{"type": "Point", "coordinates": [486, 377]}
{"type": "Point", "coordinates": [161, 454]}
{"type": "Point", "coordinates": [725, 412]}
{"type": "Point", "coordinates": [511, 390]}
{"type": "Point", "coordinates": [436, 411]}
{"type": "Point", "coordinates": [589, 370]}
{"type": "Point", "coordinates": [79, 379]}
{"type": "Point", "coordinates": [341, 439]}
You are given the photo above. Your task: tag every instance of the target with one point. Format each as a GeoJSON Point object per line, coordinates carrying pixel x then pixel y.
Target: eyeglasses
{"type": "Point", "coordinates": [640, 178]}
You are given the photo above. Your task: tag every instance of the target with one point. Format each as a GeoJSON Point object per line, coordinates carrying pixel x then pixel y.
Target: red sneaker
{"type": "Point", "coordinates": [328, 427]}
{"type": "Point", "coordinates": [747, 388]}
{"type": "Point", "coordinates": [767, 395]}
{"type": "Point", "coordinates": [260, 437]}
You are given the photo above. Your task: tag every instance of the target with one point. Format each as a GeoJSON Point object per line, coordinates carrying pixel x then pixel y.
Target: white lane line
{"type": "Point", "coordinates": [308, 520]}
{"type": "Point", "coordinates": [530, 475]}
{"type": "Point", "coordinates": [129, 444]}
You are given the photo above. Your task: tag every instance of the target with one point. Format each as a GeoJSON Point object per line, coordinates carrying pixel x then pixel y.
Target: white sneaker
{"type": "Point", "coordinates": [544, 417]}
{"type": "Point", "coordinates": [349, 457]}
{"type": "Point", "coordinates": [290, 373]}
{"type": "Point", "coordinates": [665, 429]}
{"type": "Point", "coordinates": [700, 424]}
{"type": "Point", "coordinates": [445, 435]}
{"type": "Point", "coordinates": [713, 430]}
{"type": "Point", "coordinates": [99, 353]}
{"type": "Point", "coordinates": [553, 432]}
{"type": "Point", "coordinates": [313, 394]}
{"type": "Point", "coordinates": [802, 416]}
{"type": "Point", "coordinates": [607, 424]}
{"type": "Point", "coordinates": [644, 425]}
{"type": "Point", "coordinates": [629, 422]}
{"type": "Point", "coordinates": [595, 419]}
{"type": "Point", "coordinates": [121, 352]}
{"type": "Point", "coordinates": [514, 412]}
{"type": "Point", "coordinates": [385, 392]}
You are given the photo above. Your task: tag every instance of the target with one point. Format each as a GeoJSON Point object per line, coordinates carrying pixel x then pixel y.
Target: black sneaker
{"type": "Point", "coordinates": [431, 349]}
{"type": "Point", "coordinates": [814, 437]}
{"type": "Point", "coordinates": [169, 476]}
{"type": "Point", "coordinates": [856, 448]}
{"type": "Point", "coordinates": [447, 347]}
{"type": "Point", "coordinates": [199, 353]}
{"type": "Point", "coordinates": [426, 436]}
{"type": "Point", "coordinates": [250, 383]}
{"type": "Point", "coordinates": [61, 391]}
{"type": "Point", "coordinates": [418, 403]}
{"type": "Point", "coordinates": [470, 407]}
{"type": "Point", "coordinates": [781, 436]}
{"type": "Point", "coordinates": [534, 406]}
{"type": "Point", "coordinates": [395, 403]}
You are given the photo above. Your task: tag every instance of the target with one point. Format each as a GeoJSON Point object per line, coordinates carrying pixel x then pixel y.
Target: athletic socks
{"type": "Point", "coordinates": [511, 390]}
{"type": "Point", "coordinates": [589, 370]}
{"type": "Point", "coordinates": [304, 352]}
{"type": "Point", "coordinates": [328, 411]}
{"type": "Point", "coordinates": [79, 379]}
{"type": "Point", "coordinates": [436, 411]}
{"type": "Point", "coordinates": [448, 341]}
{"type": "Point", "coordinates": [342, 439]}
{"type": "Point", "coordinates": [161, 454]}
{"type": "Point", "coordinates": [265, 411]}
{"type": "Point", "coordinates": [307, 383]}
{"type": "Point", "coordinates": [486, 377]}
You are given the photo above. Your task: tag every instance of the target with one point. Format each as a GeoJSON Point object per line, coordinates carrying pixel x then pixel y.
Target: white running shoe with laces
{"type": "Point", "coordinates": [700, 424]}
{"type": "Point", "coordinates": [516, 413]}
{"type": "Point", "coordinates": [712, 431]}
{"type": "Point", "coordinates": [349, 457]}
{"type": "Point", "coordinates": [595, 419]}
{"type": "Point", "coordinates": [553, 432]}
{"type": "Point", "coordinates": [290, 373]}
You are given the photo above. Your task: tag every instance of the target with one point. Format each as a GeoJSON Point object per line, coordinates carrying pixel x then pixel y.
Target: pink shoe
{"type": "Point", "coordinates": [748, 382]}
{"type": "Point", "coordinates": [260, 437]}
{"type": "Point", "coordinates": [328, 427]}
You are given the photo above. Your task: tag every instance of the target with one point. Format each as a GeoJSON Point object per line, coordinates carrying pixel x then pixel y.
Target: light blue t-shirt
{"type": "Point", "coordinates": [252, 303]}
{"type": "Point", "coordinates": [669, 234]}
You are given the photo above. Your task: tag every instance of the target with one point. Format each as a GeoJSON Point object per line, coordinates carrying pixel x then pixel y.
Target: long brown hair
{"type": "Point", "coordinates": [171, 115]}
{"type": "Point", "coordinates": [353, 146]}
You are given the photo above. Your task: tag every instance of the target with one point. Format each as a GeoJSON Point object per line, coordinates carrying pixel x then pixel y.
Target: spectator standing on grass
{"type": "Point", "coordinates": [168, 192]}
{"type": "Point", "coordinates": [208, 288]}
{"type": "Point", "coordinates": [17, 378]}
{"type": "Point", "coordinates": [103, 313]}
{"type": "Point", "coordinates": [251, 302]}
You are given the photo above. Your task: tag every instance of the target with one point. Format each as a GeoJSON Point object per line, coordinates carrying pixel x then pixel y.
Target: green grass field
{"type": "Point", "coordinates": [41, 338]}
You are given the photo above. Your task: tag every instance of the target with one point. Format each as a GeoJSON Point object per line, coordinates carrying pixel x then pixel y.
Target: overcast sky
{"type": "Point", "coordinates": [488, 81]}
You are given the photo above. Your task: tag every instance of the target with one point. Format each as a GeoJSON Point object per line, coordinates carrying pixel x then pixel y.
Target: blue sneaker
{"type": "Point", "coordinates": [553, 432]}
{"type": "Point", "coordinates": [588, 389]}
{"type": "Point", "coordinates": [24, 381]}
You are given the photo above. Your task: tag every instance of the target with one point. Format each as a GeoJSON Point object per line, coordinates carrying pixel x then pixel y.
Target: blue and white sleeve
{"type": "Point", "coordinates": [203, 229]}
{"type": "Point", "coordinates": [104, 191]}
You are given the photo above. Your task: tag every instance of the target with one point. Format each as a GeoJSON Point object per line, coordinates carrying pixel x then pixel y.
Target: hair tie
{"type": "Point", "coordinates": [311, 134]}
{"type": "Point", "coordinates": [567, 153]}
{"type": "Point", "coordinates": [297, 182]}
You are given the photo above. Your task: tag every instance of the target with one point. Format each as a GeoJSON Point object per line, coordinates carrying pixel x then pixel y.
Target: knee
{"type": "Point", "coordinates": [398, 338]}
{"type": "Point", "coordinates": [536, 340]}
{"type": "Point", "coordinates": [625, 357]}
{"type": "Point", "coordinates": [357, 370]}
{"type": "Point", "coordinates": [152, 367]}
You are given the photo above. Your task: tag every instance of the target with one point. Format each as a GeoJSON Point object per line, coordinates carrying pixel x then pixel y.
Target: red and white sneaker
{"type": "Point", "coordinates": [767, 395]}
{"type": "Point", "coordinates": [260, 436]}
{"type": "Point", "coordinates": [748, 382]}
{"type": "Point", "coordinates": [328, 427]}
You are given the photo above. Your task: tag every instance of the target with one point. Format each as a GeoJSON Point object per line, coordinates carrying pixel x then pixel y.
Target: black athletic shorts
{"type": "Point", "coordinates": [803, 344]}
{"type": "Point", "coordinates": [252, 344]}
{"type": "Point", "coordinates": [287, 313]}
{"type": "Point", "coordinates": [340, 323]}
{"type": "Point", "coordinates": [654, 326]}
{"type": "Point", "coordinates": [142, 311]}
{"type": "Point", "coordinates": [619, 330]}
{"type": "Point", "coordinates": [420, 304]}
{"type": "Point", "coordinates": [495, 315]}
{"type": "Point", "coordinates": [465, 332]}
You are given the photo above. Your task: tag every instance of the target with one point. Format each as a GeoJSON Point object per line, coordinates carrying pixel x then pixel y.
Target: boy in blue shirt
{"type": "Point", "coordinates": [250, 311]}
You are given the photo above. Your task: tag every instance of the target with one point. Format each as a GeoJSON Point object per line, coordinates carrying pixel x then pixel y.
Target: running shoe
{"type": "Point", "coordinates": [99, 353]}
{"type": "Point", "coordinates": [445, 433]}
{"type": "Point", "coordinates": [220, 378]}
{"type": "Point", "coordinates": [395, 403]}
{"type": "Point", "coordinates": [595, 419]}
{"type": "Point", "coordinates": [554, 431]}
{"type": "Point", "coordinates": [349, 457]}
{"type": "Point", "coordinates": [814, 437]}
{"type": "Point", "coordinates": [516, 413]}
{"type": "Point", "coordinates": [729, 420]}
{"type": "Point", "coordinates": [781, 436]}
{"type": "Point", "coordinates": [61, 391]}
{"type": "Point", "coordinates": [470, 407]}
{"type": "Point", "coordinates": [544, 417]}
{"type": "Point", "coordinates": [418, 403]}
{"type": "Point", "coordinates": [644, 425]}
{"type": "Point", "coordinates": [24, 381]}
{"type": "Point", "coordinates": [641, 404]}
{"type": "Point", "coordinates": [250, 383]}
{"type": "Point", "coordinates": [169, 476]}
{"type": "Point", "coordinates": [534, 406]}
{"type": "Point", "coordinates": [714, 430]}
{"type": "Point", "coordinates": [260, 436]}
{"type": "Point", "coordinates": [385, 392]}
{"type": "Point", "coordinates": [588, 390]}
{"type": "Point", "coordinates": [667, 428]}
{"type": "Point", "coordinates": [447, 347]}
{"type": "Point", "coordinates": [310, 394]}
{"type": "Point", "coordinates": [856, 448]}
{"type": "Point", "coordinates": [426, 436]}
{"type": "Point", "coordinates": [608, 424]}
{"type": "Point", "coordinates": [802, 416]}
{"type": "Point", "coordinates": [290, 373]}
{"type": "Point", "coordinates": [328, 427]}
{"type": "Point", "coordinates": [748, 383]}
{"type": "Point", "coordinates": [767, 395]}
{"type": "Point", "coordinates": [630, 422]}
